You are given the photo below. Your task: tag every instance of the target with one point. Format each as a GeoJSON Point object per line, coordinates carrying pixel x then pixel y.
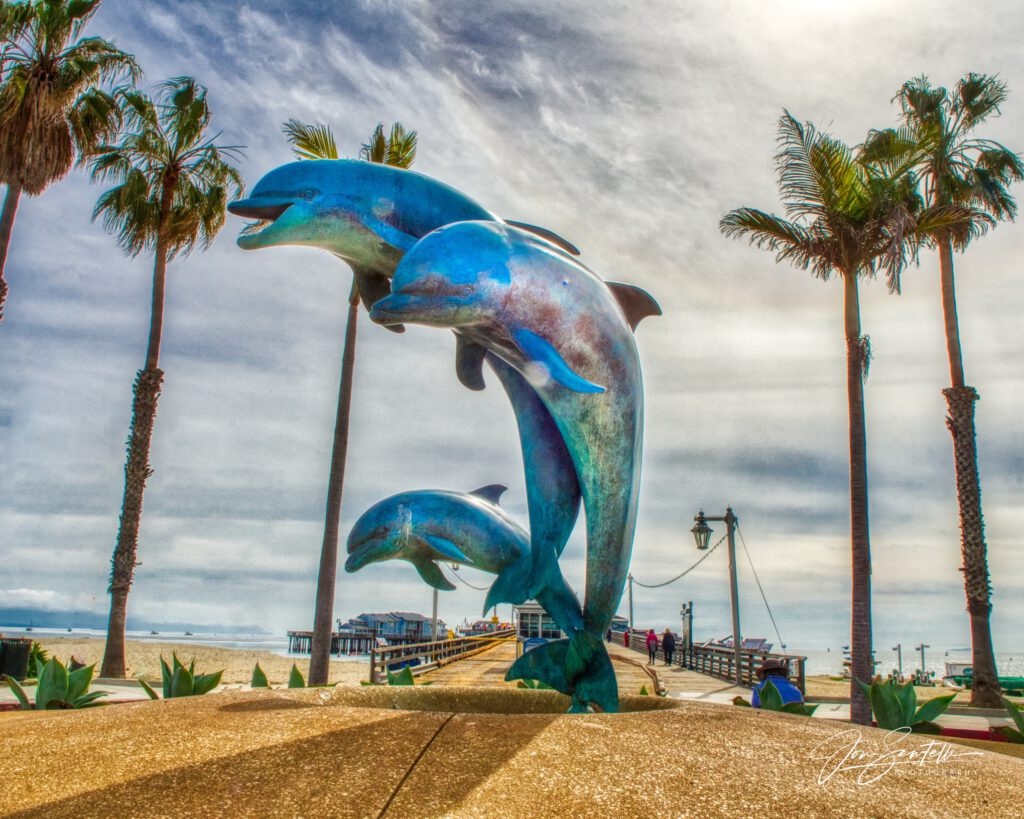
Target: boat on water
{"type": "Point", "coordinates": [959, 677]}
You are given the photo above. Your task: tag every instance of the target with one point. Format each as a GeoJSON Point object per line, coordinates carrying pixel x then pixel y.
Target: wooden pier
{"type": "Point", "coordinates": [301, 642]}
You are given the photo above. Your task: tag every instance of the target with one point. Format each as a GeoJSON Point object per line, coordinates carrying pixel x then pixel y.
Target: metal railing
{"type": "Point", "coordinates": [423, 657]}
{"type": "Point", "coordinates": [720, 661]}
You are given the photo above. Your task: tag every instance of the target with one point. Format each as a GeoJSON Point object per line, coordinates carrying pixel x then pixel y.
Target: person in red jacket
{"type": "Point", "coordinates": [652, 646]}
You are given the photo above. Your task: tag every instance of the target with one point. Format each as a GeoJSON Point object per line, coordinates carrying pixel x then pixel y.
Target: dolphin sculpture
{"type": "Point", "coordinates": [366, 213]}
{"type": "Point", "coordinates": [569, 334]}
{"type": "Point", "coordinates": [427, 526]}
{"type": "Point", "coordinates": [370, 215]}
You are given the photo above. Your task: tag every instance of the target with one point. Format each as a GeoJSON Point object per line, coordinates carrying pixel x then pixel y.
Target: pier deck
{"type": "Point", "coordinates": [488, 669]}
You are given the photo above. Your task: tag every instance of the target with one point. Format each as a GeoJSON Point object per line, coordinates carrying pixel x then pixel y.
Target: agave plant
{"type": "Point", "coordinates": [771, 700]}
{"type": "Point", "coordinates": [1013, 734]}
{"type": "Point", "coordinates": [895, 706]}
{"type": "Point", "coordinates": [259, 678]}
{"type": "Point", "coordinates": [295, 679]}
{"type": "Point", "coordinates": [58, 688]}
{"type": "Point", "coordinates": [182, 682]}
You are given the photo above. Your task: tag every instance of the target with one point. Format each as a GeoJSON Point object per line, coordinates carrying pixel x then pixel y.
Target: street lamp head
{"type": "Point", "coordinates": [701, 531]}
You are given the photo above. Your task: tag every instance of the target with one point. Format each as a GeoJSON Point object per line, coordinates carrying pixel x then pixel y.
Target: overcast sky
{"type": "Point", "coordinates": [630, 130]}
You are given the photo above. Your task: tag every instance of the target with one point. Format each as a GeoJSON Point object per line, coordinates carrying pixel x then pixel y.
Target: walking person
{"type": "Point", "coordinates": [668, 645]}
{"type": "Point", "coordinates": [652, 646]}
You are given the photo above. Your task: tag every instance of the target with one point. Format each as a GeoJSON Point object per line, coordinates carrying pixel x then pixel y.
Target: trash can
{"type": "Point", "coordinates": [531, 643]}
{"type": "Point", "coordinates": [14, 656]}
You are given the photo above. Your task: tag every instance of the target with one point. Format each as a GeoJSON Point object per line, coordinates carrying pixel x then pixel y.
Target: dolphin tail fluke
{"type": "Point", "coordinates": [579, 666]}
{"type": "Point", "coordinates": [525, 578]}
{"type": "Point", "coordinates": [589, 668]}
{"type": "Point", "coordinates": [512, 584]}
{"type": "Point", "coordinates": [545, 663]}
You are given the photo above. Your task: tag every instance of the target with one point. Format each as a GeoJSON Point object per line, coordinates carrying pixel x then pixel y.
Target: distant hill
{"type": "Point", "coordinates": [39, 618]}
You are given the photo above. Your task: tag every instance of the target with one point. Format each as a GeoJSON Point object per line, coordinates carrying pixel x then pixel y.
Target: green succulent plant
{"type": "Point", "coordinates": [58, 688]}
{"type": "Point", "coordinates": [771, 700]}
{"type": "Point", "coordinates": [179, 681]}
{"type": "Point", "coordinates": [259, 679]}
{"type": "Point", "coordinates": [895, 706]}
{"type": "Point", "coordinates": [1013, 734]}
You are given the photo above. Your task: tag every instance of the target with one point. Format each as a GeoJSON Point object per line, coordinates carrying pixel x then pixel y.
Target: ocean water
{"type": "Point", "coordinates": [252, 642]}
{"type": "Point", "coordinates": [819, 662]}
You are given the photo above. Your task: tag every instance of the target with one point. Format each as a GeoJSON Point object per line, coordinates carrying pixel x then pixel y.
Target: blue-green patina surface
{"type": "Point", "coordinates": [559, 340]}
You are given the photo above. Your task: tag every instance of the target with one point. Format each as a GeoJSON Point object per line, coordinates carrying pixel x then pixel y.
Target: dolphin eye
{"type": "Point", "coordinates": [309, 194]}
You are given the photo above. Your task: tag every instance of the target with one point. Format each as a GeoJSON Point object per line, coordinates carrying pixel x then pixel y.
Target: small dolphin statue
{"type": "Point", "coordinates": [426, 526]}
{"type": "Point", "coordinates": [569, 334]}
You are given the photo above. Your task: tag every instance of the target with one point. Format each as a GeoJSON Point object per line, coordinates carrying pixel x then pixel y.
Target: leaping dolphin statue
{"type": "Point", "coordinates": [366, 213]}
{"type": "Point", "coordinates": [427, 526]}
{"type": "Point", "coordinates": [570, 335]}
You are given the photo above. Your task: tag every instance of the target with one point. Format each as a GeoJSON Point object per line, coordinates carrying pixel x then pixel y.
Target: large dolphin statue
{"type": "Point", "coordinates": [427, 526]}
{"type": "Point", "coordinates": [569, 334]}
{"type": "Point", "coordinates": [366, 213]}
{"type": "Point", "coordinates": [370, 215]}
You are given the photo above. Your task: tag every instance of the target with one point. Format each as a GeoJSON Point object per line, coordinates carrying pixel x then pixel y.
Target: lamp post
{"type": "Point", "coordinates": [702, 535]}
{"type": "Point", "coordinates": [898, 648]}
{"type": "Point", "coordinates": [629, 577]}
{"type": "Point", "coordinates": [921, 648]}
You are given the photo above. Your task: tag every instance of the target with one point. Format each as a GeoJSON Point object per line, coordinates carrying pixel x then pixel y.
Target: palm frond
{"type": "Point", "coordinates": [311, 141]}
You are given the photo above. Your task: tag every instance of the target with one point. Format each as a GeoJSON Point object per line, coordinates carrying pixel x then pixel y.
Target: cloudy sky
{"type": "Point", "coordinates": [630, 130]}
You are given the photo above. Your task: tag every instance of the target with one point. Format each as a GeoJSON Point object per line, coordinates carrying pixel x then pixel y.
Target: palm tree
{"type": "Point", "coordinates": [172, 187]}
{"type": "Point", "coordinates": [51, 108]}
{"type": "Point", "coordinates": [317, 142]}
{"type": "Point", "coordinates": [958, 169]}
{"type": "Point", "coordinates": [851, 219]}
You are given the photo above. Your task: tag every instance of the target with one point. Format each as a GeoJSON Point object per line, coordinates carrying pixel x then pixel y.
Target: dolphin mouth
{"type": "Point", "coordinates": [264, 212]}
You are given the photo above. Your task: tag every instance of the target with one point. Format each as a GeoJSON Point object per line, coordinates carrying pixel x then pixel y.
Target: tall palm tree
{"type": "Point", "coordinates": [172, 187]}
{"type": "Point", "coordinates": [847, 219]}
{"type": "Point", "coordinates": [316, 141]}
{"type": "Point", "coordinates": [52, 110]}
{"type": "Point", "coordinates": [958, 169]}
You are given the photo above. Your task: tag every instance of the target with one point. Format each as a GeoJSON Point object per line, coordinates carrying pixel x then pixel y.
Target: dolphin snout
{"type": "Point", "coordinates": [263, 209]}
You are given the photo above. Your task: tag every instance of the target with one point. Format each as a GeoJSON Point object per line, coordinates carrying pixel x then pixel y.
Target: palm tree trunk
{"type": "Point", "coordinates": [960, 399]}
{"type": "Point", "coordinates": [146, 391]}
{"type": "Point", "coordinates": [323, 621]}
{"type": "Point", "coordinates": [861, 666]}
{"type": "Point", "coordinates": [985, 686]}
{"type": "Point", "coordinates": [6, 226]}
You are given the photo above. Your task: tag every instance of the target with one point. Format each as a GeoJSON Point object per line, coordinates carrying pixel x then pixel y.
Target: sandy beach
{"type": "Point", "coordinates": [143, 659]}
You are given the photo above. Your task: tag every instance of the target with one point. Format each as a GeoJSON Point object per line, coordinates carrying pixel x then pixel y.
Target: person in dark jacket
{"type": "Point", "coordinates": [668, 645]}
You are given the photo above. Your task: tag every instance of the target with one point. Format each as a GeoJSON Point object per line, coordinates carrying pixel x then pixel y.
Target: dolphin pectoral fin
{"type": "Point", "coordinates": [373, 287]}
{"type": "Point", "coordinates": [492, 492]}
{"type": "Point", "coordinates": [544, 233]}
{"type": "Point", "coordinates": [545, 663]}
{"type": "Point", "coordinates": [393, 236]}
{"type": "Point", "coordinates": [432, 575]}
{"type": "Point", "coordinates": [446, 550]}
{"type": "Point", "coordinates": [469, 362]}
{"type": "Point", "coordinates": [512, 585]}
{"type": "Point", "coordinates": [540, 351]}
{"type": "Point", "coordinates": [588, 668]}
{"type": "Point", "coordinates": [637, 304]}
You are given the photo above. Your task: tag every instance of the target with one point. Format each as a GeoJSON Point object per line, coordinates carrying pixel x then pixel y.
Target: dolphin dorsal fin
{"type": "Point", "coordinates": [492, 492]}
{"type": "Point", "coordinates": [637, 304]}
{"type": "Point", "coordinates": [549, 235]}
{"type": "Point", "coordinates": [469, 362]}
{"type": "Point", "coordinates": [540, 351]}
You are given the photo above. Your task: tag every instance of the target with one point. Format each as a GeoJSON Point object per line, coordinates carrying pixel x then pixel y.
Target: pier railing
{"type": "Point", "coordinates": [720, 661]}
{"type": "Point", "coordinates": [423, 657]}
